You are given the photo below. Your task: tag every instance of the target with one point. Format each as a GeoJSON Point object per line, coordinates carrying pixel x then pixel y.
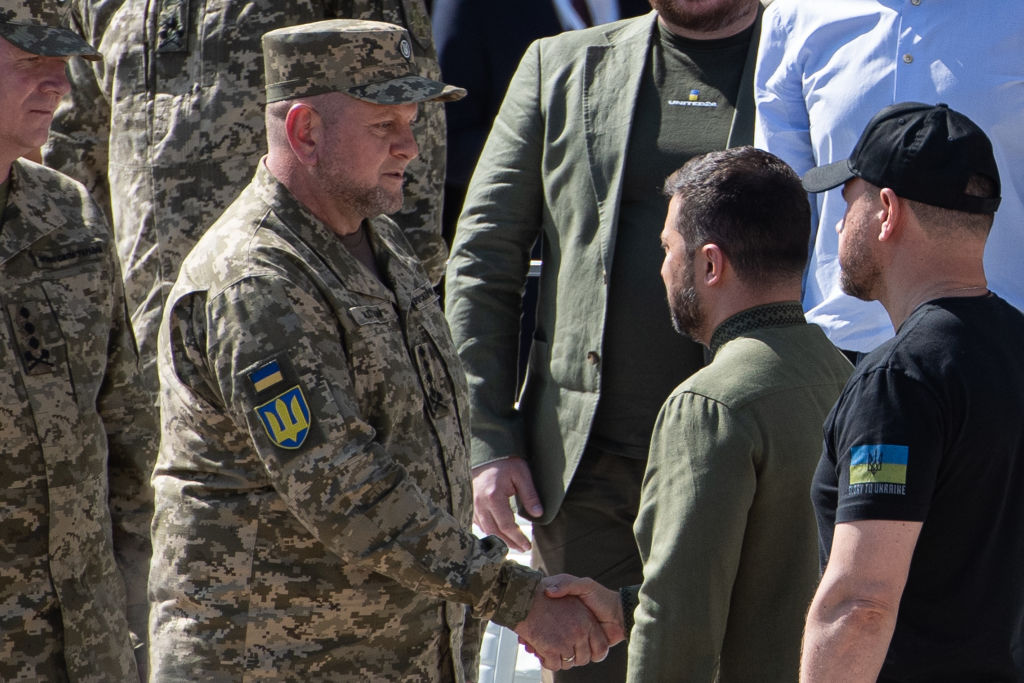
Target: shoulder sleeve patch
{"type": "Point", "coordinates": [286, 418]}
{"type": "Point", "coordinates": [279, 401]}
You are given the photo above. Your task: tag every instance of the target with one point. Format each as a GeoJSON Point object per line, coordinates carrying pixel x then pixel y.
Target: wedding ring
{"type": "Point", "coordinates": [569, 659]}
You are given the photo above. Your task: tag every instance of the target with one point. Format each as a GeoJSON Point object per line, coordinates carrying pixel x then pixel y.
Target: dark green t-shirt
{"type": "Point", "coordinates": [684, 108]}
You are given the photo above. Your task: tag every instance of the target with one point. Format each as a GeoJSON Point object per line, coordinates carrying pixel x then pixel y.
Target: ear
{"type": "Point", "coordinates": [892, 213]}
{"type": "Point", "coordinates": [303, 127]}
{"type": "Point", "coordinates": [712, 261]}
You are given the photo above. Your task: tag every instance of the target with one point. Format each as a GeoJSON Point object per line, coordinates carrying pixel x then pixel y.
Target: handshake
{"type": "Point", "coordinates": [572, 622]}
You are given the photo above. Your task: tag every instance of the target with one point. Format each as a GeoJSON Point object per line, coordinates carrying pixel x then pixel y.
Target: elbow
{"type": "Point", "coordinates": [867, 615]}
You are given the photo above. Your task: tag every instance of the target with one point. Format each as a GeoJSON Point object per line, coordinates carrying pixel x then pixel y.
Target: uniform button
{"type": "Point", "coordinates": [907, 58]}
{"type": "Point", "coordinates": [593, 358]}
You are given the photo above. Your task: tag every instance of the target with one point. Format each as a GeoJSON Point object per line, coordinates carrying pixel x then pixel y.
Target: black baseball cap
{"type": "Point", "coordinates": [923, 152]}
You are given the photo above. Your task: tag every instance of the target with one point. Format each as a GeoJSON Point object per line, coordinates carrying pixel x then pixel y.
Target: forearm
{"type": "Point", "coordinates": [846, 643]}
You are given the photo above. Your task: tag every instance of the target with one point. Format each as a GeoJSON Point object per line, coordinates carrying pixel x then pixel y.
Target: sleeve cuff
{"type": "Point", "coordinates": [630, 596]}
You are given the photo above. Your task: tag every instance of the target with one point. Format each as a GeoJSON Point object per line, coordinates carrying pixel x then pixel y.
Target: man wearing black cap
{"type": "Point", "coordinates": [77, 434]}
{"type": "Point", "coordinates": [917, 493]}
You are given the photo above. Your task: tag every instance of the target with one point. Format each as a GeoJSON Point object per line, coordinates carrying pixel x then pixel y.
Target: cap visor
{"type": "Point", "coordinates": [48, 41]}
{"type": "Point", "coordinates": [406, 90]}
{"type": "Point", "coordinates": [826, 177]}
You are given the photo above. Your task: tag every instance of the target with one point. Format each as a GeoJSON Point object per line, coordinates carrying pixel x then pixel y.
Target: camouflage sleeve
{"type": "Point", "coordinates": [80, 131]}
{"type": "Point", "coordinates": [129, 415]}
{"type": "Point", "coordinates": [360, 499]}
{"type": "Point", "coordinates": [420, 217]}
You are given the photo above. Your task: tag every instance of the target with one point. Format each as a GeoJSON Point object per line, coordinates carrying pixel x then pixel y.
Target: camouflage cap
{"type": "Point", "coordinates": [369, 60]}
{"type": "Point", "coordinates": [35, 26]}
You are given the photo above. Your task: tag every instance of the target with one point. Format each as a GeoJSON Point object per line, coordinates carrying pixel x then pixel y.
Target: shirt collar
{"type": "Point", "coordinates": [778, 314]}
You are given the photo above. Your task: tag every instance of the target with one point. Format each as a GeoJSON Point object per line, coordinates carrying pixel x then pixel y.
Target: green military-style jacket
{"type": "Point", "coordinates": [77, 441]}
{"type": "Point", "coordinates": [725, 529]}
{"type": "Point", "coordinates": [313, 504]}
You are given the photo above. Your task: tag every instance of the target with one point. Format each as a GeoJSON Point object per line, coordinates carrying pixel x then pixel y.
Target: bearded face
{"type": "Point", "coordinates": [684, 304]}
{"type": "Point", "coordinates": [703, 16]}
{"type": "Point", "coordinates": [860, 271]}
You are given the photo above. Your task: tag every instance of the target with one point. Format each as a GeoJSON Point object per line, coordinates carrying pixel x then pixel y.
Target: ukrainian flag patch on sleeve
{"type": "Point", "coordinates": [266, 376]}
{"type": "Point", "coordinates": [881, 467]}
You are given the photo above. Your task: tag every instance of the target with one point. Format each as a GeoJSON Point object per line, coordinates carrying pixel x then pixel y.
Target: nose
{"type": "Point", "coordinates": [839, 225]}
{"type": "Point", "coordinates": [405, 146]}
{"type": "Point", "coordinates": [55, 79]}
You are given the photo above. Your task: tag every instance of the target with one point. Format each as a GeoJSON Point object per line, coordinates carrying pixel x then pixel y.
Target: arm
{"type": "Point", "coordinates": [370, 505]}
{"type": "Point", "coordinates": [782, 124]}
{"type": "Point", "coordinates": [690, 529]}
{"type": "Point", "coordinates": [486, 278]}
{"type": "Point", "coordinates": [489, 263]}
{"type": "Point", "coordinates": [129, 417]}
{"type": "Point", "coordinates": [853, 615]}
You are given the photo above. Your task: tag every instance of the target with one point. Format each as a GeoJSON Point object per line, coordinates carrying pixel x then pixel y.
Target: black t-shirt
{"type": "Point", "coordinates": [930, 428]}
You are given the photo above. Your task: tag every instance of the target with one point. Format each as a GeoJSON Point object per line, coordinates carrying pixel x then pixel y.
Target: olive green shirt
{"type": "Point", "coordinates": [725, 528]}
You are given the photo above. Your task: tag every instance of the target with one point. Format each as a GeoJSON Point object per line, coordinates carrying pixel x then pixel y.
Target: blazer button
{"type": "Point", "coordinates": [593, 358]}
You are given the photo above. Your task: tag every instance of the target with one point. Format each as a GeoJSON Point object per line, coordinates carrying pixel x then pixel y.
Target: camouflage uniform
{"type": "Point", "coordinates": [78, 441]}
{"type": "Point", "coordinates": [182, 82]}
{"type": "Point", "coordinates": [313, 503]}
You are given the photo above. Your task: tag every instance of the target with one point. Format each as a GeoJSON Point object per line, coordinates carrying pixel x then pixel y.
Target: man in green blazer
{"type": "Point", "coordinates": [593, 122]}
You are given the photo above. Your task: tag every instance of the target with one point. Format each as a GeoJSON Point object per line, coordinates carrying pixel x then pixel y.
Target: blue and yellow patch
{"type": "Point", "coordinates": [878, 464]}
{"type": "Point", "coordinates": [266, 376]}
{"type": "Point", "coordinates": [286, 418]}
{"type": "Point", "coordinates": [694, 95]}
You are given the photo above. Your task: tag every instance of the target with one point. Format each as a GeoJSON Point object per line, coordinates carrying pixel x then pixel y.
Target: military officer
{"type": "Point", "coordinates": [312, 491]}
{"type": "Point", "coordinates": [166, 134]}
{"type": "Point", "coordinates": [77, 435]}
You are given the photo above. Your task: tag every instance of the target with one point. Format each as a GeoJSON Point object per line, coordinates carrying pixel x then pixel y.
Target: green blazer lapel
{"type": "Point", "coordinates": [742, 130]}
{"type": "Point", "coordinates": [612, 74]}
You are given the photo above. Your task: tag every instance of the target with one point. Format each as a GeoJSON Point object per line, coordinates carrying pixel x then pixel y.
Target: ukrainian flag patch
{"type": "Point", "coordinates": [266, 376]}
{"type": "Point", "coordinates": [878, 464]}
{"type": "Point", "coordinates": [286, 418]}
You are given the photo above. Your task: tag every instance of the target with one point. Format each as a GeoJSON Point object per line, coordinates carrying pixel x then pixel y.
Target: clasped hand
{"type": "Point", "coordinates": [572, 622]}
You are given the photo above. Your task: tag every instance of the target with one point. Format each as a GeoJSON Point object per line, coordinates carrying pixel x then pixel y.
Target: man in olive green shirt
{"type": "Point", "coordinates": [725, 529]}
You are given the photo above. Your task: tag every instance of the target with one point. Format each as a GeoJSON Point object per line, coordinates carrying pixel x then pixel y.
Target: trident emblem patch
{"type": "Point", "coordinates": [286, 418]}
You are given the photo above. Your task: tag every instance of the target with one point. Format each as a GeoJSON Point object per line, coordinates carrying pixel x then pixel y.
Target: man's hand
{"type": "Point", "coordinates": [562, 633]}
{"type": "Point", "coordinates": [493, 485]}
{"type": "Point", "coordinates": [604, 603]}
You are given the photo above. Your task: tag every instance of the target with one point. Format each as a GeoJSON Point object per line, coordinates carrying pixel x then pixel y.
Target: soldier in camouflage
{"type": "Point", "coordinates": [165, 133]}
{"type": "Point", "coordinates": [313, 504]}
{"type": "Point", "coordinates": [77, 431]}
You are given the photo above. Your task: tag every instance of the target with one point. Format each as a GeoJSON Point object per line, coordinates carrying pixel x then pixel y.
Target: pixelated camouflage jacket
{"type": "Point", "coordinates": [182, 82]}
{"type": "Point", "coordinates": [313, 500]}
{"type": "Point", "coordinates": [78, 441]}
